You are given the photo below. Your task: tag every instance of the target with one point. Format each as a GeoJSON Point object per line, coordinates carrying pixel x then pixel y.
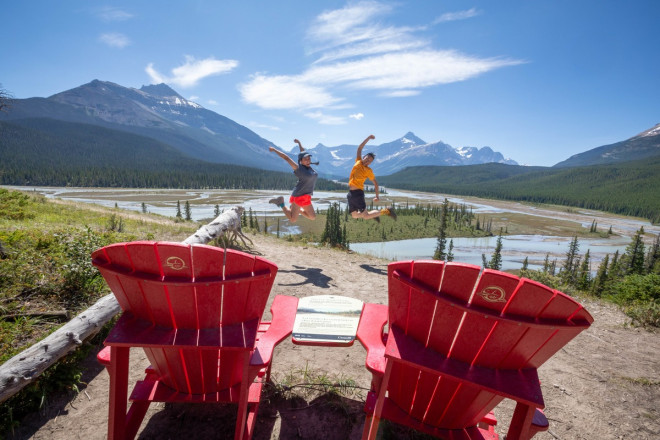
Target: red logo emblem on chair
{"type": "Point", "coordinates": [175, 263]}
{"type": "Point", "coordinates": [493, 294]}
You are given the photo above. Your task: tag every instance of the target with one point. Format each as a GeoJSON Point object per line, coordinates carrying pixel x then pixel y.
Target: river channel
{"type": "Point", "coordinates": [515, 248]}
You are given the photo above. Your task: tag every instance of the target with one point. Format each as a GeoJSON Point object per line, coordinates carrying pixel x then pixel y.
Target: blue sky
{"type": "Point", "coordinates": [536, 80]}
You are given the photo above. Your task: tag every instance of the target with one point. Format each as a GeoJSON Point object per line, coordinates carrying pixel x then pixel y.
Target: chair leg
{"type": "Point", "coordinates": [118, 370]}
{"type": "Point", "coordinates": [521, 422]}
{"type": "Point", "coordinates": [368, 422]}
{"type": "Point", "coordinates": [241, 417]}
{"type": "Point", "coordinates": [134, 418]}
{"type": "Point", "coordinates": [378, 409]}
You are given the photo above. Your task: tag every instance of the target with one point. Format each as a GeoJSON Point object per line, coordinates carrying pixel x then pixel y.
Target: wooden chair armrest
{"type": "Point", "coordinates": [283, 312]}
{"type": "Point", "coordinates": [103, 356]}
{"type": "Point", "coordinates": [370, 334]}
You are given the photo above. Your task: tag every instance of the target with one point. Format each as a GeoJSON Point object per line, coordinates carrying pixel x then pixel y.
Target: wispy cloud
{"type": "Point", "coordinates": [192, 71]}
{"type": "Point", "coordinates": [285, 92]}
{"type": "Point", "coordinates": [114, 14]}
{"type": "Point", "coordinates": [115, 40]}
{"type": "Point", "coordinates": [325, 119]}
{"type": "Point", "coordinates": [264, 126]}
{"type": "Point", "coordinates": [356, 116]}
{"type": "Point", "coordinates": [460, 15]}
{"type": "Point", "coordinates": [355, 50]}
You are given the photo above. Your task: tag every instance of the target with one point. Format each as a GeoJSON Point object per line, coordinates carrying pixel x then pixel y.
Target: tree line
{"type": "Point", "coordinates": [629, 188]}
{"type": "Point", "coordinates": [95, 159]}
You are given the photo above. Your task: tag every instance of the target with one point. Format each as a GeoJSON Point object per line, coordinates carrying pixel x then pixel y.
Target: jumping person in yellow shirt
{"type": "Point", "coordinates": [357, 206]}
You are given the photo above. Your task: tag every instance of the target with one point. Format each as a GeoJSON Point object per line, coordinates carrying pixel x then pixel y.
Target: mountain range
{"type": "Point", "coordinates": [406, 151]}
{"type": "Point", "coordinates": [644, 145]}
{"type": "Point", "coordinates": [160, 113]}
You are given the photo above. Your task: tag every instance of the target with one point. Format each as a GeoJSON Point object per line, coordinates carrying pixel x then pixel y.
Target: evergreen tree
{"type": "Point", "coordinates": [332, 232]}
{"type": "Point", "coordinates": [653, 257]}
{"type": "Point", "coordinates": [344, 237]}
{"type": "Point", "coordinates": [569, 270]}
{"type": "Point", "coordinates": [525, 265]}
{"type": "Point", "coordinates": [546, 264]}
{"type": "Point", "coordinates": [442, 233]}
{"type": "Point", "coordinates": [450, 252]}
{"type": "Point", "coordinates": [632, 260]}
{"type": "Point", "coordinates": [144, 208]}
{"type": "Point", "coordinates": [265, 224]}
{"type": "Point", "coordinates": [496, 259]}
{"type": "Point", "coordinates": [178, 209]}
{"type": "Point", "coordinates": [600, 281]}
{"type": "Point", "coordinates": [635, 254]}
{"type": "Point", "coordinates": [584, 273]}
{"type": "Point", "coordinates": [188, 211]}
{"type": "Point", "coordinates": [615, 266]}
{"type": "Point", "coordinates": [216, 210]}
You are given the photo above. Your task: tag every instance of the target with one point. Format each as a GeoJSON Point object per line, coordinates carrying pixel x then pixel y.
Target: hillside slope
{"type": "Point", "coordinates": [629, 188]}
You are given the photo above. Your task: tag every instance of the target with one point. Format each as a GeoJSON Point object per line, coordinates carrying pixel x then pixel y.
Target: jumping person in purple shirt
{"type": "Point", "coordinates": [301, 197]}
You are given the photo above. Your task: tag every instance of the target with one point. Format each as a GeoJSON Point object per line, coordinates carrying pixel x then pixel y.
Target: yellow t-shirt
{"type": "Point", "coordinates": [359, 174]}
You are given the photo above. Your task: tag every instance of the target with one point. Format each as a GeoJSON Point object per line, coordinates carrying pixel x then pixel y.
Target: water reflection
{"type": "Point", "coordinates": [514, 249]}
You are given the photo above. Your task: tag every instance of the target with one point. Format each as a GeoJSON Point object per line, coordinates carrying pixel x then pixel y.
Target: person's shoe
{"type": "Point", "coordinates": [277, 201]}
{"type": "Point", "coordinates": [388, 211]}
{"type": "Point", "coordinates": [392, 213]}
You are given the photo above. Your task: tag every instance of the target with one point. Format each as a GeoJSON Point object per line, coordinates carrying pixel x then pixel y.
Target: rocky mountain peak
{"type": "Point", "coordinates": [161, 90]}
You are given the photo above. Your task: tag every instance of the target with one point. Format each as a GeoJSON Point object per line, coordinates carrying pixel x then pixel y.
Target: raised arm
{"type": "Point", "coordinates": [285, 157]}
{"type": "Point", "coordinates": [359, 150]}
{"type": "Point", "coordinates": [299, 145]}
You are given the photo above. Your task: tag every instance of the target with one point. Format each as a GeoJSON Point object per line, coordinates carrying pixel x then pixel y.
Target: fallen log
{"type": "Point", "coordinates": [26, 366]}
{"type": "Point", "coordinates": [227, 225]}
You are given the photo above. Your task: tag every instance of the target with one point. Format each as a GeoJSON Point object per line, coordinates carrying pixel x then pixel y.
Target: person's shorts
{"type": "Point", "coordinates": [356, 200]}
{"type": "Point", "coordinates": [304, 200]}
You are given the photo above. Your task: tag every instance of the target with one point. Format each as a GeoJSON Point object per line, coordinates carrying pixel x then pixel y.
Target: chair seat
{"type": "Point", "coordinates": [133, 332]}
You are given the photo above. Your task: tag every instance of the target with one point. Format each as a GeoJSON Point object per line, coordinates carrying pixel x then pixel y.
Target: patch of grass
{"type": "Point", "coordinates": [308, 384]}
{"type": "Point", "coordinates": [644, 381]}
{"type": "Point", "coordinates": [45, 263]}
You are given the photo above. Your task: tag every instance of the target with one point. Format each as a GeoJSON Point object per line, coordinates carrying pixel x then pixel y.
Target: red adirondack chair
{"type": "Point", "coordinates": [196, 310]}
{"type": "Point", "coordinates": [459, 340]}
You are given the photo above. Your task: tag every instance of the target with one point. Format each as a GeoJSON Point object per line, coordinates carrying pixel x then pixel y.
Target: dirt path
{"type": "Point", "coordinates": [602, 385]}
